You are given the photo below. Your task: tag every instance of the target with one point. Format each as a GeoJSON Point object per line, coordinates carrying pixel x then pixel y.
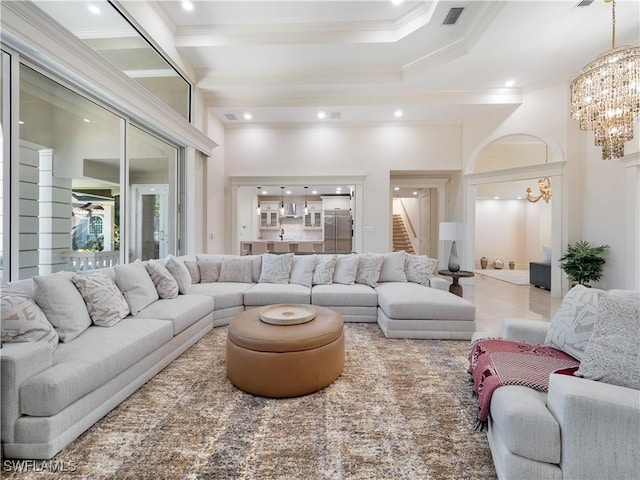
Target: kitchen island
{"type": "Point", "coordinates": [257, 247]}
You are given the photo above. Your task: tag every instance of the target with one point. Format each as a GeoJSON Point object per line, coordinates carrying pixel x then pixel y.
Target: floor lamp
{"type": "Point", "coordinates": [449, 231]}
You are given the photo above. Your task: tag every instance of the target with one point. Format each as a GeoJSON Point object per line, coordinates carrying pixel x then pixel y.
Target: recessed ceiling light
{"type": "Point", "coordinates": [322, 115]}
{"type": "Point", "coordinates": [188, 6]}
{"type": "Point", "coordinates": [496, 198]}
{"type": "Point", "coordinates": [415, 193]}
{"type": "Point", "coordinates": [397, 2]}
{"type": "Point", "coordinates": [20, 122]}
{"type": "Point", "coordinates": [248, 116]}
{"type": "Point", "coordinates": [398, 113]}
{"type": "Point", "coordinates": [396, 188]}
{"type": "Point", "coordinates": [509, 83]}
{"type": "Point", "coordinates": [288, 192]}
{"type": "Point", "coordinates": [264, 192]}
{"type": "Point", "coordinates": [86, 120]}
{"type": "Point", "coordinates": [519, 198]}
{"type": "Point", "coordinates": [93, 9]}
{"type": "Point", "coordinates": [314, 192]}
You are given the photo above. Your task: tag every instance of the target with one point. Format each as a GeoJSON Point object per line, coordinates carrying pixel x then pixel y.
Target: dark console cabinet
{"type": "Point", "coordinates": [540, 275]}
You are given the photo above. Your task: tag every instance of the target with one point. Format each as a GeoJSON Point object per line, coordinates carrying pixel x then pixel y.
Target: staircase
{"type": "Point", "coordinates": [401, 239]}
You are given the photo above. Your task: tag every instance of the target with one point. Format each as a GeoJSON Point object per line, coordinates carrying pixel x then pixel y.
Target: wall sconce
{"type": "Point", "coordinates": [306, 208]}
{"type": "Point", "coordinates": [258, 209]}
{"type": "Point", "coordinates": [544, 185]}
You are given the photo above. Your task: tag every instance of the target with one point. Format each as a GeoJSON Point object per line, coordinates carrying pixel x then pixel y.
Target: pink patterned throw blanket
{"type": "Point", "coordinates": [497, 362]}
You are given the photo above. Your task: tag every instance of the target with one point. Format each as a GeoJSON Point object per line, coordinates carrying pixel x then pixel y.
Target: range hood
{"type": "Point", "coordinates": [290, 210]}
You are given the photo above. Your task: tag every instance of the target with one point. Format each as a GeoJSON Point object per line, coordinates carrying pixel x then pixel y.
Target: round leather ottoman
{"type": "Point", "coordinates": [284, 360]}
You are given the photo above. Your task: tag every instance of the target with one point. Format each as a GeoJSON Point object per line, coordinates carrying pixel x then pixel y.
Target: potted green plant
{"type": "Point", "coordinates": [583, 263]}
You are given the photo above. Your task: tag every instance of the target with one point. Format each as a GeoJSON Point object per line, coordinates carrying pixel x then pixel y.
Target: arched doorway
{"type": "Point", "coordinates": [499, 219]}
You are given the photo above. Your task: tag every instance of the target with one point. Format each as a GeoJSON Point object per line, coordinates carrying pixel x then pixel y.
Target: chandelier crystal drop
{"type": "Point", "coordinates": [605, 97]}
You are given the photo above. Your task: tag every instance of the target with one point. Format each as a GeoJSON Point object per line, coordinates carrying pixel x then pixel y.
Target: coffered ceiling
{"type": "Point", "coordinates": [284, 62]}
{"type": "Point", "coordinates": [361, 61]}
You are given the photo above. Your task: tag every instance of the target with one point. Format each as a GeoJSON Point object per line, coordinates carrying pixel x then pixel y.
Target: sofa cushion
{"type": "Point", "coordinates": [22, 320]}
{"type": "Point", "coordinates": [105, 303]}
{"type": "Point", "coordinates": [209, 271]}
{"type": "Point", "coordinates": [62, 304]}
{"type": "Point", "coordinates": [393, 267]}
{"type": "Point", "coordinates": [183, 311]}
{"type": "Point", "coordinates": [194, 271]}
{"type": "Point", "coordinates": [136, 285]}
{"type": "Point", "coordinates": [404, 300]}
{"type": "Point", "coordinates": [612, 354]}
{"type": "Point", "coordinates": [323, 271]}
{"type": "Point", "coordinates": [225, 294]}
{"type": "Point", "coordinates": [255, 260]}
{"type": "Point", "coordinates": [272, 293]}
{"type": "Point", "coordinates": [302, 270]}
{"type": "Point", "coordinates": [276, 268]}
{"type": "Point", "coordinates": [166, 285]}
{"type": "Point", "coordinates": [180, 272]}
{"type": "Point", "coordinates": [420, 269]}
{"type": "Point", "coordinates": [516, 412]}
{"type": "Point", "coordinates": [338, 295]}
{"type": "Point", "coordinates": [346, 269]}
{"type": "Point", "coordinates": [236, 270]}
{"type": "Point", "coordinates": [91, 360]}
{"type": "Point", "coordinates": [572, 325]}
{"type": "Point", "coordinates": [369, 266]}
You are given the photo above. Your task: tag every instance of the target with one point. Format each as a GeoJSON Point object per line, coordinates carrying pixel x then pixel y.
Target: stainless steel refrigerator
{"type": "Point", "coordinates": [337, 231]}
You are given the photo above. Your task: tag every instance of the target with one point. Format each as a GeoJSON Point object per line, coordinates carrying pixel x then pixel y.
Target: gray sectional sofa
{"type": "Point", "coordinates": [53, 391]}
{"type": "Point", "coordinates": [582, 428]}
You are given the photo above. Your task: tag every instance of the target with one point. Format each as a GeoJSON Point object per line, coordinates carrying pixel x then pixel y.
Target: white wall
{"type": "Point", "coordinates": [218, 212]}
{"type": "Point", "coordinates": [369, 151]}
{"type": "Point", "coordinates": [511, 230]}
{"type": "Point", "coordinates": [595, 202]}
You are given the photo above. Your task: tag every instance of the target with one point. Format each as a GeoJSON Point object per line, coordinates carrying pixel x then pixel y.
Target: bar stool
{"type": "Point", "coordinates": [280, 247]}
{"type": "Point", "coordinates": [306, 247]}
{"type": "Point", "coordinates": [258, 248]}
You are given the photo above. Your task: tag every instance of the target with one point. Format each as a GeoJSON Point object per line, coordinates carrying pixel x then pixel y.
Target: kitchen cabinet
{"type": "Point", "coordinates": [313, 219]}
{"type": "Point", "coordinates": [269, 215]}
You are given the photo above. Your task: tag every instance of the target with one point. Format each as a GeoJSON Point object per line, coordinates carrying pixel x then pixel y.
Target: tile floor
{"type": "Point", "coordinates": [495, 300]}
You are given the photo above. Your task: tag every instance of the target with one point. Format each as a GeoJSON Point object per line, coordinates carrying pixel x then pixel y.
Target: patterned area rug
{"type": "Point", "coordinates": [516, 277]}
{"type": "Point", "coordinates": [402, 409]}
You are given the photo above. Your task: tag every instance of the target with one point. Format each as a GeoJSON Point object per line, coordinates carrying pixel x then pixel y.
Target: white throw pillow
{"type": "Point", "coordinates": [62, 304]}
{"type": "Point", "coordinates": [346, 269]}
{"type": "Point", "coordinates": [393, 267]}
{"type": "Point", "coordinates": [194, 271]}
{"type": "Point", "coordinates": [22, 320]}
{"type": "Point", "coordinates": [302, 270]}
{"type": "Point", "coordinates": [572, 325]}
{"type": "Point", "coordinates": [136, 285]}
{"type": "Point", "coordinates": [612, 354]}
{"type": "Point", "coordinates": [166, 285]}
{"type": "Point", "coordinates": [105, 303]}
{"type": "Point", "coordinates": [237, 270]}
{"type": "Point", "coordinates": [369, 266]}
{"type": "Point", "coordinates": [324, 268]}
{"type": "Point", "coordinates": [180, 272]}
{"type": "Point", "coordinates": [420, 269]}
{"type": "Point", "coordinates": [276, 268]}
{"type": "Point", "coordinates": [209, 271]}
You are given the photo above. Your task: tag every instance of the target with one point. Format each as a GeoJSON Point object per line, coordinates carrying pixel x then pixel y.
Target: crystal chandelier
{"type": "Point", "coordinates": [605, 97]}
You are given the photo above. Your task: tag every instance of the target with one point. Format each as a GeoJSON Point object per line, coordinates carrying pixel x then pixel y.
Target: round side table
{"type": "Point", "coordinates": [455, 287]}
